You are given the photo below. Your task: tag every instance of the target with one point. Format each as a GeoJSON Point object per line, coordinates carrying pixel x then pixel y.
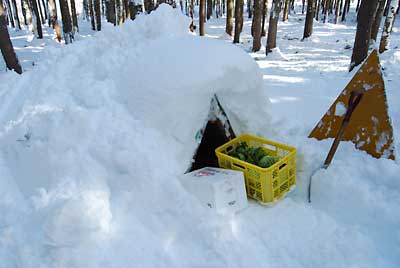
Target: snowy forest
{"type": "Point", "coordinates": [199, 133]}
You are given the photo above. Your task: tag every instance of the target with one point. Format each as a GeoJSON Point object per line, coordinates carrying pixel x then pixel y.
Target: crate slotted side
{"type": "Point", "coordinates": [263, 184]}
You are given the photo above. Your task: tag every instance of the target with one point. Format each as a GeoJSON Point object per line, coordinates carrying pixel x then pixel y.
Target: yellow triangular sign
{"type": "Point", "coordinates": [369, 128]}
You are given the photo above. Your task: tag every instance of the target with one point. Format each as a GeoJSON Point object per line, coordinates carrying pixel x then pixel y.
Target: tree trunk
{"type": "Point", "coordinates": [74, 17]}
{"type": "Point", "coordinates": [132, 10]}
{"type": "Point", "coordinates": [53, 19]}
{"type": "Point", "coordinates": [337, 10]}
{"type": "Point", "coordinates": [273, 25]}
{"type": "Point", "coordinates": [252, 26]}
{"type": "Point", "coordinates": [202, 17]}
{"type": "Point", "coordinates": [345, 9]}
{"type": "Point", "coordinates": [16, 17]}
{"type": "Point", "coordinates": [66, 21]}
{"type": "Point", "coordinates": [318, 9]}
{"type": "Point", "coordinates": [209, 9]}
{"type": "Point", "coordinates": [128, 9]}
{"type": "Point", "coordinates": [191, 12]}
{"type": "Point", "coordinates": [308, 26]}
{"type": "Point", "coordinates": [363, 35]}
{"type": "Point", "coordinates": [340, 8]}
{"type": "Point", "coordinates": [148, 5]}
{"type": "Point", "coordinates": [123, 9]}
{"type": "Point", "coordinates": [40, 11]}
{"type": "Point", "coordinates": [241, 21]}
{"type": "Point", "coordinates": [97, 14]}
{"type": "Point", "coordinates": [45, 10]}
{"type": "Point", "coordinates": [238, 20]}
{"type": "Point", "coordinates": [92, 16]}
{"type": "Point", "coordinates": [250, 8]}
{"type": "Point", "coordinates": [330, 6]}
{"type": "Point", "coordinates": [229, 17]}
{"type": "Point", "coordinates": [24, 13]}
{"type": "Point", "coordinates": [302, 6]}
{"type": "Point", "coordinates": [358, 5]}
{"type": "Point", "coordinates": [107, 3]}
{"type": "Point", "coordinates": [377, 20]}
{"type": "Point", "coordinates": [385, 13]}
{"type": "Point", "coordinates": [257, 25]}
{"type": "Point", "coordinates": [120, 11]}
{"type": "Point", "coordinates": [37, 19]}
{"type": "Point", "coordinates": [325, 10]}
{"type": "Point", "coordinates": [10, 14]}
{"type": "Point", "coordinates": [286, 11]}
{"type": "Point", "coordinates": [127, 12]}
{"type": "Point", "coordinates": [86, 9]}
{"type": "Point", "coordinates": [264, 15]}
{"type": "Point", "coordinates": [6, 47]}
{"type": "Point", "coordinates": [388, 26]}
{"type": "Point", "coordinates": [112, 17]}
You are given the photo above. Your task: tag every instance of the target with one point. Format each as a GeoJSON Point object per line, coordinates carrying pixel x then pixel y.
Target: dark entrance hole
{"type": "Point", "coordinates": [214, 136]}
{"type": "Point", "coordinates": [217, 132]}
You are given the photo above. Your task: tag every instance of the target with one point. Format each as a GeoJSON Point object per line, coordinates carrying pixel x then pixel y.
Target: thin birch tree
{"type": "Point", "coordinates": [388, 26]}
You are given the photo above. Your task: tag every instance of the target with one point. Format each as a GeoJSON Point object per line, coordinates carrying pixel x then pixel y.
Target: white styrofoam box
{"type": "Point", "coordinates": [220, 189]}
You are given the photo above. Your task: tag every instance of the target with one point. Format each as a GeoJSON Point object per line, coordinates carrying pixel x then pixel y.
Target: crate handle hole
{"type": "Point", "coordinates": [269, 147]}
{"type": "Point", "coordinates": [229, 149]}
{"type": "Point", "coordinates": [282, 166]}
{"type": "Point", "coordinates": [239, 166]}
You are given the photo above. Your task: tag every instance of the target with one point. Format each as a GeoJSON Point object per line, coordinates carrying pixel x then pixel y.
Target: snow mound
{"type": "Point", "coordinates": [91, 147]}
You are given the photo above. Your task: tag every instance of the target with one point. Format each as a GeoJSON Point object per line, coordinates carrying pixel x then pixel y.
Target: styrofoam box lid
{"type": "Point", "coordinates": [208, 172]}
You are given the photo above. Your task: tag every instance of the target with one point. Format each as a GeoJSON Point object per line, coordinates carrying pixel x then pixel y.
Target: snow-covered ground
{"type": "Point", "coordinates": [94, 136]}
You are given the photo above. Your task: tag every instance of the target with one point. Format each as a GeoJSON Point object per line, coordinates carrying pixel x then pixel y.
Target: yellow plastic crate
{"type": "Point", "coordinates": [263, 184]}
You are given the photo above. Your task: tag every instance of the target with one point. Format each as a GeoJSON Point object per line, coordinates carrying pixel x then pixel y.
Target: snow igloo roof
{"type": "Point", "coordinates": [105, 125]}
{"type": "Point", "coordinates": [148, 77]}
